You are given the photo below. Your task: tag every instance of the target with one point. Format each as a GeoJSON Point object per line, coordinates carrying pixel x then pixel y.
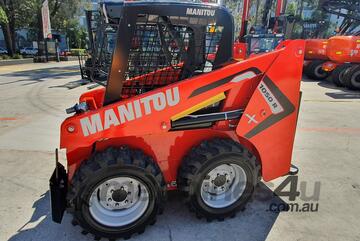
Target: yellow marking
{"type": "Point", "coordinates": [212, 29]}
{"type": "Point", "coordinates": [310, 52]}
{"type": "Point", "coordinates": [325, 42]}
{"type": "Point", "coordinates": [338, 52]}
{"type": "Point", "coordinates": [199, 106]}
{"type": "Point", "coordinates": [358, 41]}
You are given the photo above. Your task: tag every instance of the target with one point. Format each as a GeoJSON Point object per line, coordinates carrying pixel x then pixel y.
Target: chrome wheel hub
{"type": "Point", "coordinates": [223, 185]}
{"type": "Point", "coordinates": [119, 201]}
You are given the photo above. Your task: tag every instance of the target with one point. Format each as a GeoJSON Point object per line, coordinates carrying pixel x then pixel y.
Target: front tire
{"type": "Point", "coordinates": [337, 76]}
{"type": "Point", "coordinates": [116, 193]}
{"type": "Point", "coordinates": [314, 70]}
{"type": "Point", "coordinates": [218, 178]}
{"type": "Point", "coordinates": [352, 78]}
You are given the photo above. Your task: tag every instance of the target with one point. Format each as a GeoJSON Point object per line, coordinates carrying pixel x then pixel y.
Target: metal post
{"type": "Point", "coordinates": [46, 50]}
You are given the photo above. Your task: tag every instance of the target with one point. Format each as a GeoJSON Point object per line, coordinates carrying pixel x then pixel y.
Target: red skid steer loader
{"type": "Point", "coordinates": [172, 118]}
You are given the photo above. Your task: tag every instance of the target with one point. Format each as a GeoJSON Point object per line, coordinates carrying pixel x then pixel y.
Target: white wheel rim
{"type": "Point", "coordinates": [223, 185]}
{"type": "Point", "coordinates": [119, 201]}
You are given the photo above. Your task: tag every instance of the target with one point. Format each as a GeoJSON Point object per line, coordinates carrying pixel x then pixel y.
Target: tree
{"type": "Point", "coordinates": [4, 22]}
{"type": "Point", "coordinates": [27, 14]}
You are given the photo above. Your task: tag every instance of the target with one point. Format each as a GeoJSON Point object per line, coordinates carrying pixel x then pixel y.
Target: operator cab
{"type": "Point", "coordinates": [159, 43]}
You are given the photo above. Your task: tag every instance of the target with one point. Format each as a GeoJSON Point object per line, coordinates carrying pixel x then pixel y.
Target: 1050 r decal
{"type": "Point", "coordinates": [269, 97]}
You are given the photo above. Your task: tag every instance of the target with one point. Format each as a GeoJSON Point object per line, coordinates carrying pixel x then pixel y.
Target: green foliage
{"type": "Point", "coordinates": [75, 33]}
{"type": "Point", "coordinates": [77, 52]}
{"type": "Point", "coordinates": [5, 56]}
{"type": "Point", "coordinates": [291, 8]}
{"type": "Point", "coordinates": [17, 56]}
{"type": "Point", "coordinates": [3, 16]}
{"type": "Point", "coordinates": [235, 8]}
{"type": "Point", "coordinates": [27, 14]}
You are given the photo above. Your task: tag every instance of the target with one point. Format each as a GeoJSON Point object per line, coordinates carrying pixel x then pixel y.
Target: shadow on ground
{"type": "Point", "coordinates": [176, 224]}
{"type": "Point", "coordinates": [30, 77]}
{"type": "Point", "coordinates": [342, 92]}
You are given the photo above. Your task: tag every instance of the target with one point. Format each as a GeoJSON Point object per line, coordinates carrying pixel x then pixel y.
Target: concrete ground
{"type": "Point", "coordinates": [32, 102]}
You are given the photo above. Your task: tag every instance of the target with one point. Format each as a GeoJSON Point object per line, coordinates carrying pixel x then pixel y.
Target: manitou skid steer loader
{"type": "Point", "coordinates": [171, 118]}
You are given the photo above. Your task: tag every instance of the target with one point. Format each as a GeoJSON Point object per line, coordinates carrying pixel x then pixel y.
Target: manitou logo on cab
{"type": "Point", "coordinates": [130, 111]}
{"type": "Point", "coordinates": [200, 12]}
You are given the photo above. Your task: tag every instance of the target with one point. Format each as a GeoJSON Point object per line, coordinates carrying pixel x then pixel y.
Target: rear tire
{"type": "Point", "coordinates": [218, 178]}
{"type": "Point", "coordinates": [314, 70]}
{"type": "Point", "coordinates": [116, 193]}
{"type": "Point", "coordinates": [337, 76]}
{"type": "Point", "coordinates": [352, 78]}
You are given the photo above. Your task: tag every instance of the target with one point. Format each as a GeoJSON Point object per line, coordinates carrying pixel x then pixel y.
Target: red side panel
{"type": "Point", "coordinates": [144, 121]}
{"type": "Point", "coordinates": [269, 120]}
{"type": "Point", "coordinates": [316, 49]}
{"type": "Point", "coordinates": [343, 49]}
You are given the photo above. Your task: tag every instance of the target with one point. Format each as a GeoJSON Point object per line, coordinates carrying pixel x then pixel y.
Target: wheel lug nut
{"type": "Point", "coordinates": [109, 199]}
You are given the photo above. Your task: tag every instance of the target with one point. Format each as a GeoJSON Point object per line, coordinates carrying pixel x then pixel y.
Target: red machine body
{"type": "Point", "coordinates": [316, 49]}
{"type": "Point", "coordinates": [343, 49]}
{"type": "Point", "coordinates": [268, 92]}
{"type": "Point", "coordinates": [329, 66]}
{"type": "Point", "coordinates": [239, 51]}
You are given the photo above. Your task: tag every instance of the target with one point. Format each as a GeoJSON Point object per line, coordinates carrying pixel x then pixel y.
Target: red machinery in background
{"type": "Point", "coordinates": [345, 50]}
{"type": "Point", "coordinates": [263, 37]}
{"type": "Point", "coordinates": [331, 57]}
{"type": "Point", "coordinates": [315, 57]}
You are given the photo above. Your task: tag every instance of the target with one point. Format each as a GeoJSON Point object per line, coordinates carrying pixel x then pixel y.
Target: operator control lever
{"type": "Point", "coordinates": [78, 108]}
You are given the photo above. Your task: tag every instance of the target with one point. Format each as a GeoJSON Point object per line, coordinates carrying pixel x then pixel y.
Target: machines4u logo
{"type": "Point", "coordinates": [127, 112]}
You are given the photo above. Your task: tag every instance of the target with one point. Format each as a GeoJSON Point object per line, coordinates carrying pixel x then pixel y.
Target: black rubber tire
{"type": "Point", "coordinates": [314, 71]}
{"type": "Point", "coordinates": [337, 75]}
{"type": "Point", "coordinates": [114, 162]}
{"type": "Point", "coordinates": [352, 78]}
{"type": "Point", "coordinates": [204, 158]}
